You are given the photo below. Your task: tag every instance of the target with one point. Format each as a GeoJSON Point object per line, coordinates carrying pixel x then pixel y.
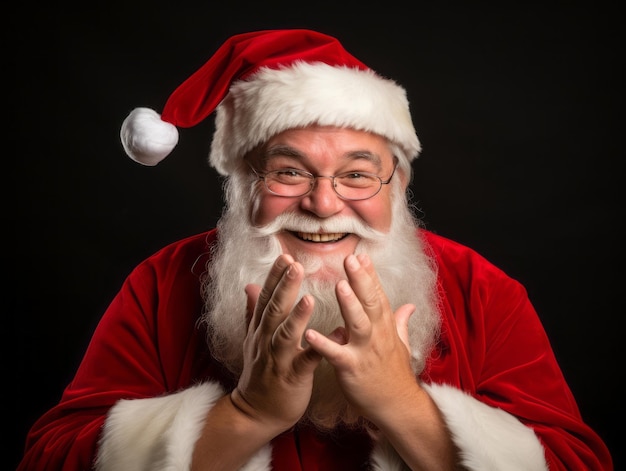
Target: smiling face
{"type": "Point", "coordinates": [324, 151]}
{"type": "Point", "coordinates": [319, 229]}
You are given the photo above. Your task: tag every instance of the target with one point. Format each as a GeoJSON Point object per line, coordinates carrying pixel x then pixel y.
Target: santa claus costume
{"type": "Point", "coordinates": [143, 389]}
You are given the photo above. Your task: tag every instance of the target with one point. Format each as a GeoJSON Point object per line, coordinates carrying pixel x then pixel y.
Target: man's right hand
{"type": "Point", "coordinates": [277, 378]}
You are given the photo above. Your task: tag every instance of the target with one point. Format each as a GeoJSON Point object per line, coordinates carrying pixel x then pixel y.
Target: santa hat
{"type": "Point", "coordinates": [263, 83]}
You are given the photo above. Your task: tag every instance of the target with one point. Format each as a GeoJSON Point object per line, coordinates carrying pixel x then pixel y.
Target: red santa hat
{"type": "Point", "coordinates": [263, 83]}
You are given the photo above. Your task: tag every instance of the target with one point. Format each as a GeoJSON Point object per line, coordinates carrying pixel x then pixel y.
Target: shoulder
{"type": "Point", "coordinates": [448, 251]}
{"type": "Point", "coordinates": [475, 292]}
{"type": "Point", "coordinates": [461, 265]}
{"type": "Point", "coordinates": [189, 245]}
{"type": "Point", "coordinates": [184, 256]}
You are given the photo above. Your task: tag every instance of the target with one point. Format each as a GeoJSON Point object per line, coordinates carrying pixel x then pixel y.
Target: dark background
{"type": "Point", "coordinates": [516, 107]}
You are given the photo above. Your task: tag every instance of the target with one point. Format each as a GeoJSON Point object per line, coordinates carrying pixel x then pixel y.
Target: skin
{"type": "Point", "coordinates": [369, 352]}
{"type": "Point", "coordinates": [327, 151]}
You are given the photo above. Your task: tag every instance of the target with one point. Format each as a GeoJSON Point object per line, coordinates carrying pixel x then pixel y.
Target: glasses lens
{"type": "Point", "coordinates": [357, 186]}
{"type": "Point", "coordinates": [288, 182]}
{"type": "Point", "coordinates": [350, 186]}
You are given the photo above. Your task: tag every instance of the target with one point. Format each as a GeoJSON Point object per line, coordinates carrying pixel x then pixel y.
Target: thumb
{"type": "Point", "coordinates": [252, 294]}
{"type": "Point", "coordinates": [402, 316]}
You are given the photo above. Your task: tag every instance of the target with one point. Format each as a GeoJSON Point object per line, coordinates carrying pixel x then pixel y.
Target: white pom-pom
{"type": "Point", "coordinates": [146, 138]}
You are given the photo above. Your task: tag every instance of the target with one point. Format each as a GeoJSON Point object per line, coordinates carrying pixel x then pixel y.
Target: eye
{"type": "Point", "coordinates": [357, 179]}
{"type": "Point", "coordinates": [288, 176]}
{"type": "Point", "coordinates": [353, 175]}
{"type": "Point", "coordinates": [287, 172]}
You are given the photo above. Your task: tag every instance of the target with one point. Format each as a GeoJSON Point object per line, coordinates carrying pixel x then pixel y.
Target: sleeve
{"type": "Point", "coordinates": [122, 361]}
{"type": "Point", "coordinates": [488, 438]}
{"type": "Point", "coordinates": [159, 433]}
{"type": "Point", "coordinates": [511, 407]}
{"type": "Point", "coordinates": [144, 385]}
{"type": "Point", "coordinates": [66, 436]}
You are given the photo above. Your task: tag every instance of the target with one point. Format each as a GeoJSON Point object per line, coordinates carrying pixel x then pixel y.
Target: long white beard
{"type": "Point", "coordinates": [244, 254]}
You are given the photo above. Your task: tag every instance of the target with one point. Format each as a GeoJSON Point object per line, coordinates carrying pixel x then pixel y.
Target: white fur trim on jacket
{"type": "Point", "coordinates": [385, 458]}
{"type": "Point", "coordinates": [159, 433]}
{"type": "Point", "coordinates": [488, 438]}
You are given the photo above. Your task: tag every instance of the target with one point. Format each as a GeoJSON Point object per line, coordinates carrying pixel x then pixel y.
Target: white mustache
{"type": "Point", "coordinates": [299, 223]}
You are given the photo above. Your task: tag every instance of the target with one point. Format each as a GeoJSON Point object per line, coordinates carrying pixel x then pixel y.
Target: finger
{"type": "Point", "coordinates": [272, 280]}
{"type": "Point", "coordinates": [287, 340]}
{"type": "Point", "coordinates": [289, 333]}
{"type": "Point", "coordinates": [366, 286]}
{"type": "Point", "coordinates": [402, 316]}
{"type": "Point", "coordinates": [282, 300]}
{"type": "Point", "coordinates": [326, 347]}
{"type": "Point", "coordinates": [252, 296]}
{"type": "Point", "coordinates": [357, 322]}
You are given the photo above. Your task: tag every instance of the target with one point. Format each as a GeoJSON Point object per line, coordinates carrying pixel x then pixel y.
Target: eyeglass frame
{"type": "Point", "coordinates": [313, 179]}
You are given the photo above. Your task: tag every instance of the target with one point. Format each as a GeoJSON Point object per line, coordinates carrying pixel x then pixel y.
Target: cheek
{"type": "Point", "coordinates": [267, 208]}
{"type": "Point", "coordinates": [376, 213]}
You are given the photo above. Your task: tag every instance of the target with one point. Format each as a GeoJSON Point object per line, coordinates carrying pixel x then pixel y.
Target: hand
{"type": "Point", "coordinates": [276, 381]}
{"type": "Point", "coordinates": [371, 353]}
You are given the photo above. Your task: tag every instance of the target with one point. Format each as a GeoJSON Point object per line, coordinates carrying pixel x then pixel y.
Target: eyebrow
{"type": "Point", "coordinates": [287, 151]}
{"type": "Point", "coordinates": [282, 151]}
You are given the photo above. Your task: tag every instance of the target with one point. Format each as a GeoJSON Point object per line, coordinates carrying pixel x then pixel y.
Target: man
{"type": "Point", "coordinates": [318, 327]}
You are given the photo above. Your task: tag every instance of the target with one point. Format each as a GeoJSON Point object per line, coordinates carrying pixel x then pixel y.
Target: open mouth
{"type": "Point", "coordinates": [327, 237]}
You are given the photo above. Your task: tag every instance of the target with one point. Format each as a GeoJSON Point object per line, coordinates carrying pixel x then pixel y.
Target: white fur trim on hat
{"type": "Point", "coordinates": [274, 100]}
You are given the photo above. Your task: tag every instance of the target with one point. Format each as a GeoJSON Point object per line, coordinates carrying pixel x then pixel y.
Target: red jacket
{"type": "Point", "coordinates": [493, 348]}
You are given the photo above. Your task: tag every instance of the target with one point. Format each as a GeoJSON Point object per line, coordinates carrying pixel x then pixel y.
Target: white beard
{"type": "Point", "coordinates": [406, 272]}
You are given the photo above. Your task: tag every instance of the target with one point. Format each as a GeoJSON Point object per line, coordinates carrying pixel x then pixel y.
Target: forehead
{"type": "Point", "coordinates": [315, 143]}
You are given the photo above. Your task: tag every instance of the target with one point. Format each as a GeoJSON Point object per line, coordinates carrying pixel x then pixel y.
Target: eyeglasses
{"type": "Point", "coordinates": [353, 186]}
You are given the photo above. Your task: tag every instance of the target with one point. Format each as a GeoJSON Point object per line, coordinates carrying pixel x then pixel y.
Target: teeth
{"type": "Point", "coordinates": [321, 237]}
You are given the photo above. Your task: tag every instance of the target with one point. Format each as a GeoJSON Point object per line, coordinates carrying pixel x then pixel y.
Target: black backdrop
{"type": "Point", "coordinates": [516, 108]}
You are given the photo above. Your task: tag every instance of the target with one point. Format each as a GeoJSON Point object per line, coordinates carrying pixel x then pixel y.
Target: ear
{"type": "Point", "coordinates": [403, 177]}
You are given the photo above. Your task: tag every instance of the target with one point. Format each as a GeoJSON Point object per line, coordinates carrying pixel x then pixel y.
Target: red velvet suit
{"type": "Point", "coordinates": [147, 344]}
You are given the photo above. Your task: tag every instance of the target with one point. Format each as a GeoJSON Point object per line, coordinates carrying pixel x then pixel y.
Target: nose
{"type": "Point", "coordinates": [322, 200]}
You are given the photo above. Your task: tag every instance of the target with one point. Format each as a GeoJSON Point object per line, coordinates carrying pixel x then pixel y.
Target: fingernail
{"type": "Point", "coordinates": [291, 271]}
{"type": "Point", "coordinates": [281, 263]}
{"type": "Point", "coordinates": [363, 259]}
{"type": "Point", "coordinates": [352, 262]}
{"type": "Point", "coordinates": [343, 287]}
